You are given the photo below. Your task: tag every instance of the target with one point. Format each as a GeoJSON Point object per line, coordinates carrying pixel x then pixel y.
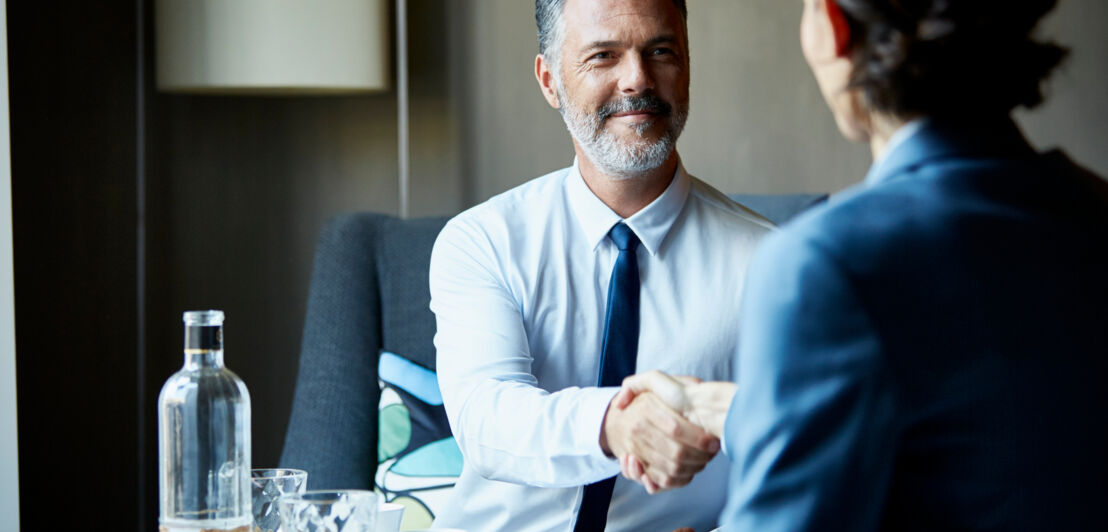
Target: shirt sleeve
{"type": "Point", "coordinates": [811, 430]}
{"type": "Point", "coordinates": [508, 428]}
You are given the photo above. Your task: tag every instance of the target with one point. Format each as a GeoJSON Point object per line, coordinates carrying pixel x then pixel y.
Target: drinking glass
{"type": "Point", "coordinates": [389, 516]}
{"type": "Point", "coordinates": [267, 485]}
{"type": "Point", "coordinates": [329, 511]}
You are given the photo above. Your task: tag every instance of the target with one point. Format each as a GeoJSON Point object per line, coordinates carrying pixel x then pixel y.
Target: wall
{"type": "Point", "coordinates": [758, 123]}
{"type": "Point", "coordinates": [239, 188]}
{"type": "Point", "coordinates": [1075, 117]}
{"type": "Point", "coordinates": [511, 134]}
{"type": "Point", "coordinates": [752, 100]}
{"type": "Point", "coordinates": [74, 118]}
{"type": "Point", "coordinates": [9, 459]}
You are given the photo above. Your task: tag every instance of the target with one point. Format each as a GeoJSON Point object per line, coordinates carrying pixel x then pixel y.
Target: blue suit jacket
{"type": "Point", "coordinates": [929, 350]}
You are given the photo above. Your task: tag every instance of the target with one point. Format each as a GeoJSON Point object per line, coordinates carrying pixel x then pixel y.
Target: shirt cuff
{"type": "Point", "coordinates": [594, 404]}
{"type": "Point", "coordinates": [730, 425]}
{"type": "Point", "coordinates": [723, 443]}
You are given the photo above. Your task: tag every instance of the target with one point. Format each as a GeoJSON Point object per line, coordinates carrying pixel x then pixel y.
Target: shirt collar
{"type": "Point", "coordinates": [922, 141]}
{"type": "Point", "coordinates": [651, 224]}
{"type": "Point", "coordinates": [899, 138]}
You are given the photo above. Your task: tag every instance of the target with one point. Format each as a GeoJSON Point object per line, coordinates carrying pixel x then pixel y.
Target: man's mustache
{"type": "Point", "coordinates": [647, 103]}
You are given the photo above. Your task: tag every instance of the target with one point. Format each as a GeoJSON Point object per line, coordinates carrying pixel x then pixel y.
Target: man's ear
{"type": "Point", "coordinates": [839, 26]}
{"type": "Point", "coordinates": [546, 81]}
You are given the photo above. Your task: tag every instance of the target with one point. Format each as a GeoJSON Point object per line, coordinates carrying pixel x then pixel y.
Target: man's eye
{"type": "Point", "coordinates": [601, 56]}
{"type": "Point", "coordinates": [662, 51]}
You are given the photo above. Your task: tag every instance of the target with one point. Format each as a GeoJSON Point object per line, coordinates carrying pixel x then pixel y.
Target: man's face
{"type": "Point", "coordinates": [623, 81]}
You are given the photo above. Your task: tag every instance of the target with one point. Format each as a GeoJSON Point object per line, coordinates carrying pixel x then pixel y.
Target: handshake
{"type": "Point", "coordinates": [665, 429]}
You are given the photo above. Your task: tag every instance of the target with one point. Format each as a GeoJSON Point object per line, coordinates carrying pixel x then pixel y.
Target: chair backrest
{"type": "Point", "coordinates": [369, 294]}
{"type": "Point", "coordinates": [779, 208]}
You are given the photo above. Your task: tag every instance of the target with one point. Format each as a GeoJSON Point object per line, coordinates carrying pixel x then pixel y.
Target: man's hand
{"type": "Point", "coordinates": [703, 403]}
{"type": "Point", "coordinates": [671, 448]}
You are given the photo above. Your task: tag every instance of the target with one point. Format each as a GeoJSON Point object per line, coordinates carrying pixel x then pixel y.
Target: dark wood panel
{"type": "Point", "coordinates": [72, 72]}
{"type": "Point", "coordinates": [131, 206]}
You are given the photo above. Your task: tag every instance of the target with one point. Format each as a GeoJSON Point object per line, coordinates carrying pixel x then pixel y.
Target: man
{"type": "Point", "coordinates": [927, 352]}
{"type": "Point", "coordinates": [548, 295]}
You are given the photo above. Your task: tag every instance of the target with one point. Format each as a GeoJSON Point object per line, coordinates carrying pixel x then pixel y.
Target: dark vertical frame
{"type": "Point", "coordinates": [75, 116]}
{"type": "Point", "coordinates": [144, 521]}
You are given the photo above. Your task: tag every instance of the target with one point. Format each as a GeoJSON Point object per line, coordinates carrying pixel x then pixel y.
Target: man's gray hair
{"type": "Point", "coordinates": [548, 18]}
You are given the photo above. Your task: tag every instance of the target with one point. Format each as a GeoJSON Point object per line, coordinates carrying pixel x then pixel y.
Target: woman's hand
{"type": "Point", "coordinates": [703, 403]}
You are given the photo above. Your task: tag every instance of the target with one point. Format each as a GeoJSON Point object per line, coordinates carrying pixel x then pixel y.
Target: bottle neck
{"type": "Point", "coordinates": [198, 359]}
{"type": "Point", "coordinates": [203, 346]}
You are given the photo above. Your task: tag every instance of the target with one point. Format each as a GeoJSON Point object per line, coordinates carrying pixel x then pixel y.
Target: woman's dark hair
{"type": "Point", "coordinates": [943, 57]}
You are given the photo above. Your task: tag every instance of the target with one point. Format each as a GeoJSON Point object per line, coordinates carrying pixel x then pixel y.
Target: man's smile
{"type": "Point", "coordinates": [636, 116]}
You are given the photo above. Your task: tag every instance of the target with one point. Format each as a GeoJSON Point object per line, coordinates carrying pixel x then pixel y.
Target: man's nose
{"type": "Point", "coordinates": [635, 76]}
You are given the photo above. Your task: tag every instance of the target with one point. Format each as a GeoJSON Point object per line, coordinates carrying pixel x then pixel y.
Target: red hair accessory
{"type": "Point", "coordinates": [840, 26]}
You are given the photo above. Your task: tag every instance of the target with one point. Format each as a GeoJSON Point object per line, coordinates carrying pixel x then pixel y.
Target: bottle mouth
{"type": "Point", "coordinates": [203, 318]}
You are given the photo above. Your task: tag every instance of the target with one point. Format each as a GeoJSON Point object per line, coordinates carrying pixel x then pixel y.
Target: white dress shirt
{"type": "Point", "coordinates": [519, 289]}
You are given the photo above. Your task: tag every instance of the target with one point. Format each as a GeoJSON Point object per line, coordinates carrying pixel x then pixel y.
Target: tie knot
{"type": "Point", "coordinates": [623, 237]}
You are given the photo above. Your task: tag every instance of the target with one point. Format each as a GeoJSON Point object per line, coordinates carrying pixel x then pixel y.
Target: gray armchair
{"type": "Point", "coordinates": [369, 294]}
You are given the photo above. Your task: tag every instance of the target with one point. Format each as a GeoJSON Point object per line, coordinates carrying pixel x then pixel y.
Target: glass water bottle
{"type": "Point", "coordinates": [204, 437]}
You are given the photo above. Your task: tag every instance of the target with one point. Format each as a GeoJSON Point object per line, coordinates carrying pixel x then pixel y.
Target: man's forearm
{"type": "Point", "coordinates": [515, 432]}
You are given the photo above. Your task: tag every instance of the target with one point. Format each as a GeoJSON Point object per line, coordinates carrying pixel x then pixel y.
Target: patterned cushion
{"type": "Point", "coordinates": [418, 460]}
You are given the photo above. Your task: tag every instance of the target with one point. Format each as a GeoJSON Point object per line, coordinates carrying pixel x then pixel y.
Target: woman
{"type": "Point", "coordinates": [928, 351]}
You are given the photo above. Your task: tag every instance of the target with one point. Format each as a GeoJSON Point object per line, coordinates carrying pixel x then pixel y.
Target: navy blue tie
{"type": "Point", "coordinates": [617, 357]}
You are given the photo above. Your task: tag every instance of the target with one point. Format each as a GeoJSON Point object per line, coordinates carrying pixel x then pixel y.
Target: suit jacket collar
{"type": "Point", "coordinates": [938, 139]}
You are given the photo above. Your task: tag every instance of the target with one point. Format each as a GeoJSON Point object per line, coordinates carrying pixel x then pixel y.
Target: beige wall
{"type": "Point", "coordinates": [1075, 116]}
{"type": "Point", "coordinates": [752, 99]}
{"type": "Point", "coordinates": [758, 123]}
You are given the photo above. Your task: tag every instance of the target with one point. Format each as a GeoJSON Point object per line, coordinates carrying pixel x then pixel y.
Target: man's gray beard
{"type": "Point", "coordinates": [613, 157]}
